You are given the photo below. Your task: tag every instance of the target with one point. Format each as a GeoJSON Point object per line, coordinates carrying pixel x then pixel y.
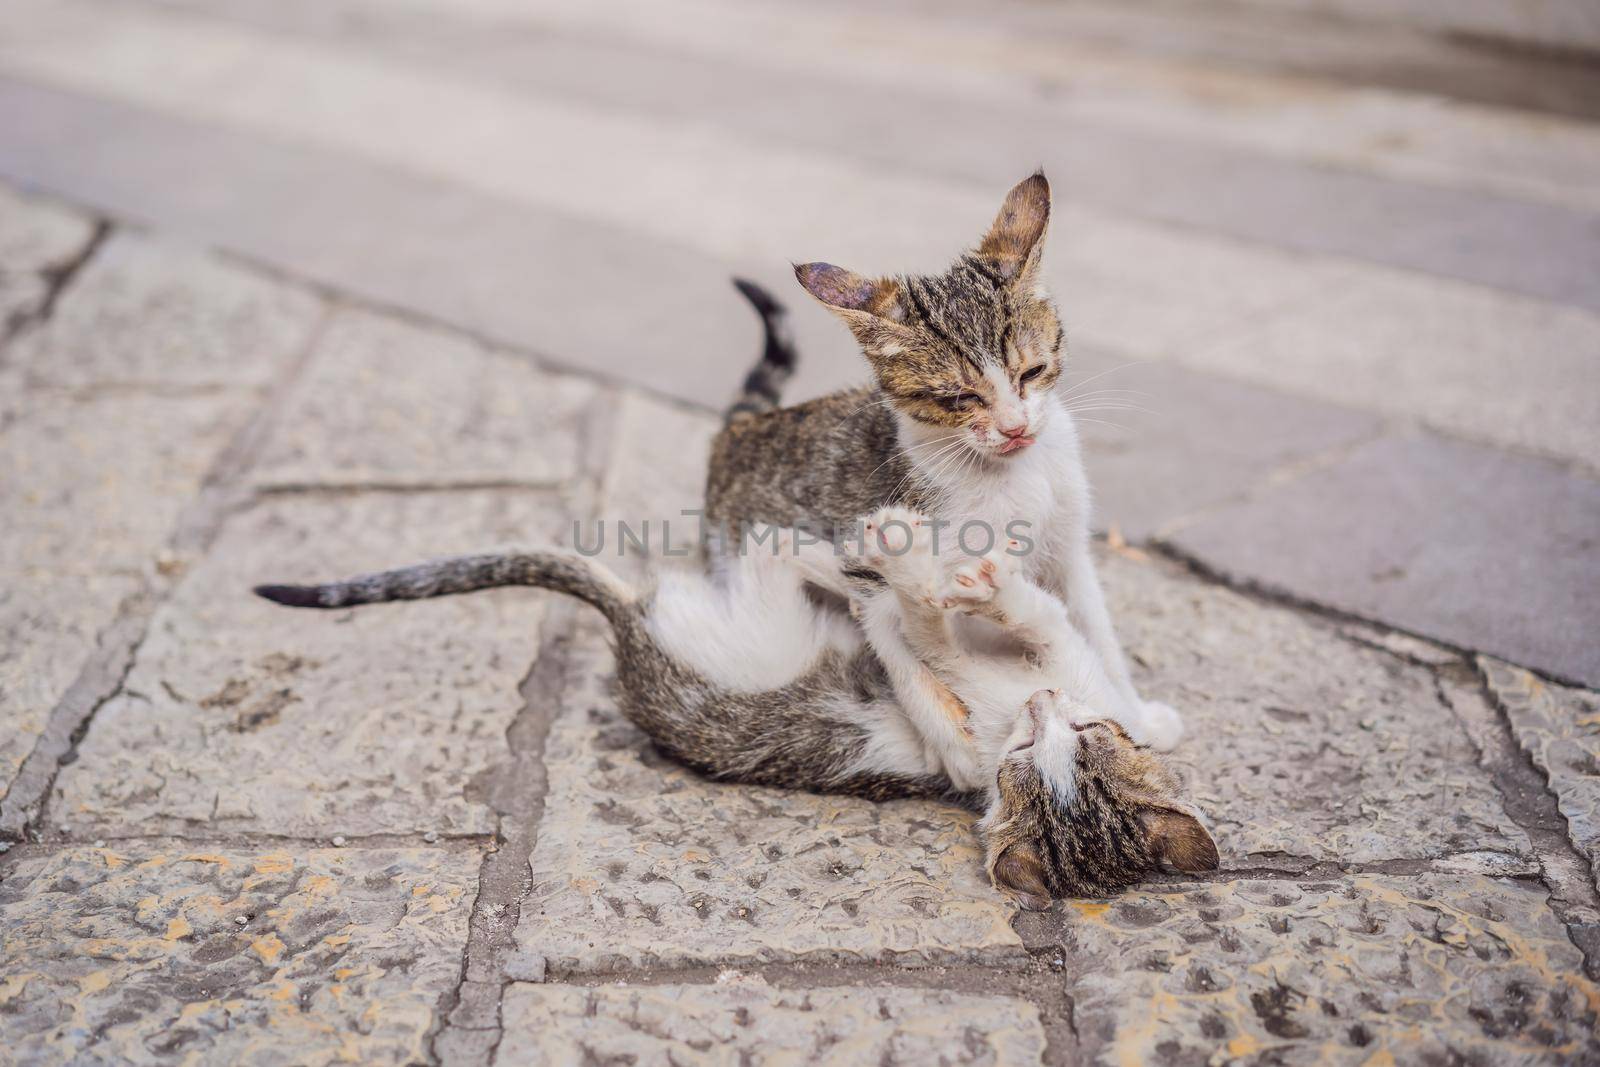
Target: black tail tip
{"type": "Point", "coordinates": [763, 301]}
{"type": "Point", "coordinates": [294, 596]}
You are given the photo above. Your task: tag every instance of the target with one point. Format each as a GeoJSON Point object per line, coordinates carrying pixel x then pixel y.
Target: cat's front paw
{"type": "Point", "coordinates": [898, 544]}
{"type": "Point", "coordinates": [969, 587]}
{"type": "Point", "coordinates": [1162, 726]}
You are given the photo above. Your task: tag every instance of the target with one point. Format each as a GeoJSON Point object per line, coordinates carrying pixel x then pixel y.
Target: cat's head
{"type": "Point", "coordinates": [969, 355]}
{"type": "Point", "coordinates": [1082, 811]}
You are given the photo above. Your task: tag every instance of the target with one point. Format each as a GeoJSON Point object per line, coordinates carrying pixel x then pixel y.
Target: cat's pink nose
{"type": "Point", "coordinates": [1018, 430]}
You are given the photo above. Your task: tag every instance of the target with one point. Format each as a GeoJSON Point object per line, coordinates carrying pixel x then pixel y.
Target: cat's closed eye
{"type": "Point", "coordinates": [1031, 373]}
{"type": "Point", "coordinates": [959, 402]}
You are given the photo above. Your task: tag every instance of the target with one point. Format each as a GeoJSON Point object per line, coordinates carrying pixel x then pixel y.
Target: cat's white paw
{"type": "Point", "coordinates": [1162, 727]}
{"type": "Point", "coordinates": [898, 544]}
{"type": "Point", "coordinates": [970, 584]}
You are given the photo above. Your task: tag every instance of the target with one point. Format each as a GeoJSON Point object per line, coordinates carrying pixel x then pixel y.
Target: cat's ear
{"type": "Point", "coordinates": [849, 293]}
{"type": "Point", "coordinates": [1015, 242]}
{"type": "Point", "coordinates": [1019, 874]}
{"type": "Point", "coordinates": [1179, 839]}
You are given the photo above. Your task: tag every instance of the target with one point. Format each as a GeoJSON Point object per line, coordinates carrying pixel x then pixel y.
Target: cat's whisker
{"type": "Point", "coordinates": [1112, 406]}
{"type": "Point", "coordinates": [1103, 422]}
{"type": "Point", "coordinates": [909, 450]}
{"type": "Point", "coordinates": [1102, 374]}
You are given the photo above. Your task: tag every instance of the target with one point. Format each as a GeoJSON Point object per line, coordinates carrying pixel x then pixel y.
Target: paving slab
{"type": "Point", "coordinates": [388, 403]}
{"type": "Point", "coordinates": [1473, 547]}
{"type": "Point", "coordinates": [1468, 361]}
{"type": "Point", "coordinates": [92, 484]}
{"type": "Point", "coordinates": [640, 862]}
{"type": "Point", "coordinates": [744, 1021]}
{"type": "Point", "coordinates": [1301, 742]}
{"type": "Point", "coordinates": [157, 312]}
{"type": "Point", "coordinates": [243, 715]}
{"type": "Point", "coordinates": [1559, 729]}
{"type": "Point", "coordinates": [1164, 443]}
{"type": "Point", "coordinates": [37, 241]}
{"type": "Point", "coordinates": [754, 68]}
{"type": "Point", "coordinates": [658, 454]}
{"type": "Point", "coordinates": [1360, 969]}
{"type": "Point", "coordinates": [136, 955]}
{"type": "Point", "coordinates": [551, 280]}
{"type": "Point", "coordinates": [48, 629]}
{"type": "Point", "coordinates": [91, 491]}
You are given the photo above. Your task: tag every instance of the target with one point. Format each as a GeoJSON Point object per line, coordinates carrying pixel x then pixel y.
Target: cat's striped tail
{"type": "Point", "coordinates": [764, 384]}
{"type": "Point", "coordinates": [562, 571]}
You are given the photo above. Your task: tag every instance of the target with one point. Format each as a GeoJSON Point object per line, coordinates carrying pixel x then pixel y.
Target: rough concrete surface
{"type": "Point", "coordinates": [238, 714]}
{"type": "Point", "coordinates": [743, 1020]}
{"type": "Point", "coordinates": [1559, 729]}
{"type": "Point", "coordinates": [295, 290]}
{"type": "Point", "coordinates": [168, 951]}
{"type": "Point", "coordinates": [642, 863]}
{"type": "Point", "coordinates": [1300, 742]}
{"type": "Point", "coordinates": [1360, 969]}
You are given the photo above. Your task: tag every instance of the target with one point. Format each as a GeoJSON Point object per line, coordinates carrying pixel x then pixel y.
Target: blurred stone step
{"type": "Point", "coordinates": [1480, 549]}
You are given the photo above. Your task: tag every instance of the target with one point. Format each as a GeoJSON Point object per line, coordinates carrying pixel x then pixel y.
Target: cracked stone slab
{"type": "Point", "coordinates": [92, 486]}
{"type": "Point", "coordinates": [1559, 729]}
{"type": "Point", "coordinates": [1303, 742]}
{"type": "Point", "coordinates": [36, 240]}
{"type": "Point", "coordinates": [242, 714]}
{"type": "Point", "coordinates": [742, 1020]}
{"type": "Point", "coordinates": [157, 313]}
{"type": "Point", "coordinates": [136, 955]}
{"type": "Point", "coordinates": [91, 491]}
{"type": "Point", "coordinates": [1402, 531]}
{"type": "Point", "coordinates": [384, 401]}
{"type": "Point", "coordinates": [642, 862]}
{"type": "Point", "coordinates": [1368, 968]}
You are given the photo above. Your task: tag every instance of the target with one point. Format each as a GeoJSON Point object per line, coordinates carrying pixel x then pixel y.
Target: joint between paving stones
{"type": "Point", "coordinates": [1531, 802]}
{"type": "Point", "coordinates": [467, 1022]}
{"type": "Point", "coordinates": [57, 277]}
{"type": "Point", "coordinates": [25, 809]}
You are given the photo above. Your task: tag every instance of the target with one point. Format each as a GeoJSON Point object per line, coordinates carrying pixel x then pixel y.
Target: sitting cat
{"type": "Point", "coordinates": [744, 678]}
{"type": "Point", "coordinates": [961, 424]}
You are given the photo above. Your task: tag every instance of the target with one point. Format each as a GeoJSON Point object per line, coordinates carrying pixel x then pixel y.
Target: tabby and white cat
{"type": "Point", "coordinates": [745, 678]}
{"type": "Point", "coordinates": [962, 424]}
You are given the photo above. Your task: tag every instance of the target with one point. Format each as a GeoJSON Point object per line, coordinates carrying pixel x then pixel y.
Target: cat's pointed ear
{"type": "Point", "coordinates": [849, 293]}
{"type": "Point", "coordinates": [1015, 242]}
{"type": "Point", "coordinates": [1018, 873]}
{"type": "Point", "coordinates": [1179, 839]}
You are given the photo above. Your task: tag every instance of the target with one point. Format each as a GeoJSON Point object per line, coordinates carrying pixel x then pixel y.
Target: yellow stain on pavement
{"type": "Point", "coordinates": [177, 928]}
{"type": "Point", "coordinates": [1244, 1045]}
{"type": "Point", "coordinates": [274, 863]}
{"type": "Point", "coordinates": [95, 982]}
{"type": "Point", "coordinates": [318, 885]}
{"type": "Point", "coordinates": [269, 948]}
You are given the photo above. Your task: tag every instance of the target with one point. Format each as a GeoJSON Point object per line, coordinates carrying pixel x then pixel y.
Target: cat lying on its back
{"type": "Point", "coordinates": [744, 678]}
{"type": "Point", "coordinates": [962, 424]}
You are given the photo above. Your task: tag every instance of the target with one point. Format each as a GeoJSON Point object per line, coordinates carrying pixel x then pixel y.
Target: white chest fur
{"type": "Point", "coordinates": [1039, 497]}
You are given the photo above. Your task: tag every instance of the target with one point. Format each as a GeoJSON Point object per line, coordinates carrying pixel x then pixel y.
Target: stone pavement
{"type": "Point", "coordinates": [1353, 537]}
